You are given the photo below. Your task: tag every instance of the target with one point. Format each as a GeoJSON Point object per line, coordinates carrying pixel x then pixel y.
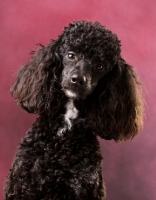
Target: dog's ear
{"type": "Point", "coordinates": [117, 108]}
{"type": "Point", "coordinates": [36, 86]}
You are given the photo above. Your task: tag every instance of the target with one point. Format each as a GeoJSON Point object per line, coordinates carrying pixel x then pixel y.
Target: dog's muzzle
{"type": "Point", "coordinates": [76, 86]}
{"type": "Point", "coordinates": [76, 80]}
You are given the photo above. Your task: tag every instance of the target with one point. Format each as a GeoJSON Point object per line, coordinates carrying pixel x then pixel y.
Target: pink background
{"type": "Point", "coordinates": [129, 167]}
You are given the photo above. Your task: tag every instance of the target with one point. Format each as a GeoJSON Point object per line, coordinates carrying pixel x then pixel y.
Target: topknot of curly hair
{"type": "Point", "coordinates": [92, 39]}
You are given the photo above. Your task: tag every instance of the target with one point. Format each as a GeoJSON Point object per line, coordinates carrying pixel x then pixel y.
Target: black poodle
{"type": "Point", "coordinates": [81, 87]}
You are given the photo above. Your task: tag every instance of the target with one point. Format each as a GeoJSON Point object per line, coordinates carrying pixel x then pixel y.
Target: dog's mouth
{"type": "Point", "coordinates": [74, 94]}
{"type": "Point", "coordinates": [70, 93]}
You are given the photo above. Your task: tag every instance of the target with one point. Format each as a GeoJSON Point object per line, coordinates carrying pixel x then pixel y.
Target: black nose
{"type": "Point", "coordinates": [78, 79]}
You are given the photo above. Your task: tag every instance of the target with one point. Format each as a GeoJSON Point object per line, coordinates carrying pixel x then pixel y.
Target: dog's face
{"type": "Point", "coordinates": [81, 75]}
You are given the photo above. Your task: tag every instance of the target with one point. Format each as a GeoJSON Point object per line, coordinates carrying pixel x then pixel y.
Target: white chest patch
{"type": "Point", "coordinates": [71, 113]}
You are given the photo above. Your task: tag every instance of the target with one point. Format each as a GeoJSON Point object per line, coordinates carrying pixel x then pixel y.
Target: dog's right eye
{"type": "Point", "coordinates": [99, 67]}
{"type": "Point", "coordinates": [71, 56]}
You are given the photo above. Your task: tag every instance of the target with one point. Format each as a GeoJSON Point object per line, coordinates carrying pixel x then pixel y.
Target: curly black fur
{"type": "Point", "coordinates": [59, 158]}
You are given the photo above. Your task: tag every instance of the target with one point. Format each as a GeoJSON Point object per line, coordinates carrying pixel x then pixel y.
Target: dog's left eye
{"type": "Point", "coordinates": [71, 56]}
{"type": "Point", "coordinates": [99, 67]}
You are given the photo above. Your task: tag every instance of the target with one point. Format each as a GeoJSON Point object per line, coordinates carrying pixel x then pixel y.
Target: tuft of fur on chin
{"type": "Point", "coordinates": [70, 94]}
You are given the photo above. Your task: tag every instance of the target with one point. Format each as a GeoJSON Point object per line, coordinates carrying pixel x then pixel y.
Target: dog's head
{"type": "Point", "coordinates": [89, 52]}
{"type": "Point", "coordinates": [84, 62]}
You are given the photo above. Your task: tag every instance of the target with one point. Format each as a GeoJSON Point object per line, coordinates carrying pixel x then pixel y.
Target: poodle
{"type": "Point", "coordinates": [81, 88]}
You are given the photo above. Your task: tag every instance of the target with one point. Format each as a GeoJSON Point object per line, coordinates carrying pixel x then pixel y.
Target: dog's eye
{"type": "Point", "coordinates": [71, 56]}
{"type": "Point", "coordinates": [99, 67]}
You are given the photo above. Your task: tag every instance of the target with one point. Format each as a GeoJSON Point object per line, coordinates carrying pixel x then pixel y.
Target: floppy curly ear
{"type": "Point", "coordinates": [36, 86]}
{"type": "Point", "coordinates": [117, 108]}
